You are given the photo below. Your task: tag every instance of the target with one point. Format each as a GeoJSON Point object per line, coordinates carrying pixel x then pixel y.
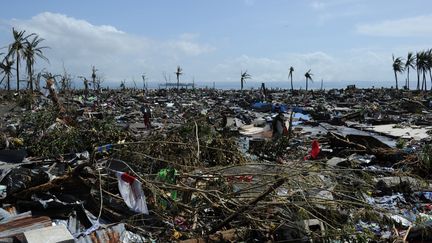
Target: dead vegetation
{"type": "Point", "coordinates": [198, 181]}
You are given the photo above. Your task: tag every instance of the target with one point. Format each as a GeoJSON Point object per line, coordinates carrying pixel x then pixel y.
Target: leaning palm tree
{"type": "Point", "coordinates": [31, 51]}
{"type": "Point", "coordinates": [291, 70]}
{"type": "Point", "coordinates": [16, 49]}
{"type": "Point", "coordinates": [409, 63]}
{"type": "Point", "coordinates": [243, 76]}
{"type": "Point", "coordinates": [397, 67]}
{"type": "Point", "coordinates": [178, 73]}
{"type": "Point", "coordinates": [308, 76]}
{"type": "Point", "coordinates": [6, 68]}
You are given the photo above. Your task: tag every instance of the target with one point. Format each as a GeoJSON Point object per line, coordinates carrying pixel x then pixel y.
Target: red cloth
{"type": "Point", "coordinates": [315, 149]}
{"type": "Point", "coordinates": [127, 178]}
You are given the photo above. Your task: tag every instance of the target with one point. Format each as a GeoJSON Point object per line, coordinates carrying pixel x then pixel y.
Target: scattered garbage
{"type": "Point", "coordinates": [205, 165]}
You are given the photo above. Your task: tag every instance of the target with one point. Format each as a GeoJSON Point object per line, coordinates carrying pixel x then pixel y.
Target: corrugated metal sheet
{"type": "Point", "coordinates": [20, 225]}
{"type": "Point", "coordinates": [112, 234]}
{"type": "Point", "coordinates": [11, 209]}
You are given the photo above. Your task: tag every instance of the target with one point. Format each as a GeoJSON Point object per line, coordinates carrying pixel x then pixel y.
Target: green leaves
{"type": "Point", "coordinates": [25, 48]}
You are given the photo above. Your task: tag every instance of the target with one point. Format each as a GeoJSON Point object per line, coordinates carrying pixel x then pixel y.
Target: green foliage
{"type": "Point", "coordinates": [25, 100]}
{"type": "Point", "coordinates": [47, 139]}
{"type": "Point", "coordinates": [400, 143]}
{"type": "Point", "coordinates": [41, 120]}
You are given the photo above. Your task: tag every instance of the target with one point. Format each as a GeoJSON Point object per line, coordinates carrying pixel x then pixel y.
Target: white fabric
{"type": "Point", "coordinates": [132, 194]}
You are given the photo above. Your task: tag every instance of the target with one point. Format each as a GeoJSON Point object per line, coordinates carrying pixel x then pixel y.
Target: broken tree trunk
{"type": "Point", "coordinates": [53, 95]}
{"type": "Point", "coordinates": [244, 208]}
{"type": "Point", "coordinates": [335, 139]}
{"type": "Point", "coordinates": [71, 177]}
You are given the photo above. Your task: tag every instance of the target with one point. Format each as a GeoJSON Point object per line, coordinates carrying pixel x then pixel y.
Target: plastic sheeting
{"type": "Point", "coordinates": [132, 193]}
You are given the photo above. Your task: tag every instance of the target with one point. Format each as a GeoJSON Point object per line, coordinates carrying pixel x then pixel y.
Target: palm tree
{"type": "Point", "coordinates": [243, 76]}
{"type": "Point", "coordinates": [410, 63]}
{"type": "Point", "coordinates": [6, 68]}
{"type": "Point", "coordinates": [31, 51]}
{"type": "Point", "coordinates": [308, 76]}
{"type": "Point", "coordinates": [419, 61]}
{"type": "Point", "coordinates": [178, 73]}
{"type": "Point", "coordinates": [397, 67]}
{"type": "Point", "coordinates": [425, 69]}
{"type": "Point", "coordinates": [123, 85]}
{"type": "Point", "coordinates": [16, 49]}
{"type": "Point", "coordinates": [291, 70]}
{"type": "Point", "coordinates": [144, 81]}
{"type": "Point", "coordinates": [429, 64]}
{"type": "Point", "coordinates": [422, 68]}
{"type": "Point", "coordinates": [94, 70]}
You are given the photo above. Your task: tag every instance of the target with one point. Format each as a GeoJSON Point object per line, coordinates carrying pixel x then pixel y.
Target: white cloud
{"type": "Point", "coordinates": [332, 10]}
{"type": "Point", "coordinates": [120, 55]}
{"type": "Point", "coordinates": [187, 44]}
{"type": "Point", "coordinates": [117, 54]}
{"type": "Point", "coordinates": [406, 27]}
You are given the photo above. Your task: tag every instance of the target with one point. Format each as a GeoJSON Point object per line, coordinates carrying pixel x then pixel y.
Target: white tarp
{"type": "Point", "coordinates": [131, 192]}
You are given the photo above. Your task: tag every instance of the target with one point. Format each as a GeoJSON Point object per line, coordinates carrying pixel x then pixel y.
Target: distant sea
{"type": "Point", "coordinates": [273, 84]}
{"type": "Point", "coordinates": [77, 84]}
{"type": "Point", "coordinates": [300, 85]}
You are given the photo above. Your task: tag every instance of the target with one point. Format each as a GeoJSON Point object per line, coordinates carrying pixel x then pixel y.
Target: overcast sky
{"type": "Point", "coordinates": [340, 40]}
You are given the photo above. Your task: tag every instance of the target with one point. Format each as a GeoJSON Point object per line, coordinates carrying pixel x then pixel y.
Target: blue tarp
{"type": "Point", "coordinates": [261, 106]}
{"type": "Point", "coordinates": [266, 107]}
{"type": "Point", "coordinates": [279, 108]}
{"type": "Point", "coordinates": [299, 110]}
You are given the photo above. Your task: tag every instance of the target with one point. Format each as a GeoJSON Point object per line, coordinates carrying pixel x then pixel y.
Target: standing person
{"type": "Point", "coordinates": [278, 125]}
{"type": "Point", "coordinates": [147, 115]}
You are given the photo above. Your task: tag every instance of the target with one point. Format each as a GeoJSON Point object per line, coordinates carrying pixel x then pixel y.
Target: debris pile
{"type": "Point", "coordinates": [351, 165]}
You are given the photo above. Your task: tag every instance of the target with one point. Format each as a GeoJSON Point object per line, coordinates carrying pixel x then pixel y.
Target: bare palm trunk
{"type": "Point", "coordinates": [396, 80]}
{"type": "Point", "coordinates": [30, 73]}
{"type": "Point", "coordinates": [408, 84]}
{"type": "Point", "coordinates": [8, 82]}
{"type": "Point", "coordinates": [292, 86]}
{"type": "Point", "coordinates": [418, 79]}
{"type": "Point", "coordinates": [424, 80]}
{"type": "Point", "coordinates": [307, 84]}
{"type": "Point", "coordinates": [178, 82]}
{"type": "Point", "coordinates": [17, 71]}
{"type": "Point", "coordinates": [241, 85]}
{"type": "Point", "coordinates": [430, 76]}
